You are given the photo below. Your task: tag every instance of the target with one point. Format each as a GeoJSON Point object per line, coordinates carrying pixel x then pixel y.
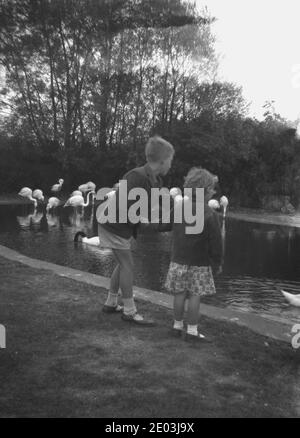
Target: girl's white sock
{"type": "Point", "coordinates": [192, 330]}
{"type": "Point", "coordinates": [178, 325]}
{"type": "Point", "coordinates": [112, 299]}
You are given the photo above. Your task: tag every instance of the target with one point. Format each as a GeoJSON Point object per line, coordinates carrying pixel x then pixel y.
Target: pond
{"type": "Point", "coordinates": [258, 256]}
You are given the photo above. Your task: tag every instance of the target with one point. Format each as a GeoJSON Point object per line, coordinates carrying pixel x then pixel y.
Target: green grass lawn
{"type": "Point", "coordinates": [64, 358]}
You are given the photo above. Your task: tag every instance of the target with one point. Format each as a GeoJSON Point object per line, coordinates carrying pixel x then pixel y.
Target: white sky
{"type": "Point", "coordinates": [260, 44]}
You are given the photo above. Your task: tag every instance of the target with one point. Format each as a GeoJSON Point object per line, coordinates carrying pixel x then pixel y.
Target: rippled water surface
{"type": "Point", "coordinates": [257, 256]}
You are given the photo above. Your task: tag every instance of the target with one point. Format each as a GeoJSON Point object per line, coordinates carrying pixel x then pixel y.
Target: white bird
{"type": "Point", "coordinates": [57, 187]}
{"type": "Point", "coordinates": [52, 203]}
{"type": "Point", "coordinates": [76, 193]}
{"type": "Point", "coordinates": [214, 204]}
{"type": "Point", "coordinates": [38, 194]}
{"type": "Point", "coordinates": [85, 188]}
{"type": "Point", "coordinates": [294, 300]}
{"type": "Point", "coordinates": [36, 218]}
{"type": "Point", "coordinates": [175, 191]}
{"type": "Point", "coordinates": [78, 201]}
{"type": "Point", "coordinates": [91, 186]}
{"type": "Point", "coordinates": [80, 236]}
{"type": "Point", "coordinates": [224, 203]}
{"type": "Point", "coordinates": [26, 192]}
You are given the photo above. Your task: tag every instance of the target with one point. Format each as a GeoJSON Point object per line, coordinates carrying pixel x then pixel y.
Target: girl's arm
{"type": "Point", "coordinates": [215, 240]}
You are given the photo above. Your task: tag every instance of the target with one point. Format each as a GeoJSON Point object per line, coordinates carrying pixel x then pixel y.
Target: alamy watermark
{"type": "Point", "coordinates": [2, 336]}
{"type": "Point", "coordinates": [133, 206]}
{"type": "Point", "coordinates": [296, 337]}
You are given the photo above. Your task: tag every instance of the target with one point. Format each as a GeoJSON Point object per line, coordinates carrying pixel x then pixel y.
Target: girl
{"type": "Point", "coordinates": [193, 258]}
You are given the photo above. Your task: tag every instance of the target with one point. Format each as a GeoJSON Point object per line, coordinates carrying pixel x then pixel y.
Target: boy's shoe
{"type": "Point", "coordinates": [177, 333]}
{"type": "Point", "coordinates": [198, 338]}
{"type": "Point", "coordinates": [138, 319]}
{"type": "Point", "coordinates": [112, 309]}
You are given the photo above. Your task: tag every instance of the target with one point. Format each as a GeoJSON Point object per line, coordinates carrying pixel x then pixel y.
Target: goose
{"type": "Point", "coordinates": [52, 203]}
{"type": "Point", "coordinates": [294, 300]}
{"type": "Point", "coordinates": [26, 192]}
{"type": "Point", "coordinates": [224, 203]}
{"type": "Point", "coordinates": [78, 201]}
{"type": "Point", "coordinates": [38, 194]}
{"type": "Point", "coordinates": [57, 187]}
{"type": "Point", "coordinates": [80, 236]}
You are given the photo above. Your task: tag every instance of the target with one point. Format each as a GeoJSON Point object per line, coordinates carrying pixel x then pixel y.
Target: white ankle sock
{"type": "Point", "coordinates": [112, 299]}
{"type": "Point", "coordinates": [129, 306]}
{"type": "Point", "coordinates": [192, 330]}
{"type": "Point", "coordinates": [178, 325]}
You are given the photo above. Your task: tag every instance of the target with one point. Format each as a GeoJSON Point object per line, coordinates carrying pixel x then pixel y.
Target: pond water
{"type": "Point", "coordinates": [257, 256]}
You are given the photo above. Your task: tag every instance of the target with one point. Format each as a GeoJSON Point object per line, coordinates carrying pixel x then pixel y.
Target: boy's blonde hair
{"type": "Point", "coordinates": [200, 178]}
{"type": "Point", "coordinates": [158, 149]}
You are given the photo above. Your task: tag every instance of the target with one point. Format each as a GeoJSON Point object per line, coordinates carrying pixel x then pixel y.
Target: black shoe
{"type": "Point", "coordinates": [138, 320]}
{"type": "Point", "coordinates": [112, 309]}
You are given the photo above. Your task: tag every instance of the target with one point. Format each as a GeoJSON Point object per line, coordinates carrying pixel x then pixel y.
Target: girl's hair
{"type": "Point", "coordinates": [158, 149]}
{"type": "Point", "coordinates": [200, 178]}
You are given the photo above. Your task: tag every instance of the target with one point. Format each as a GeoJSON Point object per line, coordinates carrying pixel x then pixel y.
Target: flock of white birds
{"type": "Point", "coordinates": [76, 198]}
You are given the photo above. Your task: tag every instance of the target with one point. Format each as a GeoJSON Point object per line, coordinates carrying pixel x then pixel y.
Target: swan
{"type": "Point", "coordinates": [57, 187]}
{"type": "Point", "coordinates": [26, 192]}
{"type": "Point", "coordinates": [38, 194]}
{"type": "Point", "coordinates": [214, 204]}
{"type": "Point", "coordinates": [294, 300]}
{"type": "Point", "coordinates": [52, 203]}
{"type": "Point", "coordinates": [224, 203]}
{"type": "Point", "coordinates": [78, 201]}
{"type": "Point", "coordinates": [80, 236]}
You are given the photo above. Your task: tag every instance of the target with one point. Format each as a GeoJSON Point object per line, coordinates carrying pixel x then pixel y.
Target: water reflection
{"type": "Point", "coordinates": [257, 257]}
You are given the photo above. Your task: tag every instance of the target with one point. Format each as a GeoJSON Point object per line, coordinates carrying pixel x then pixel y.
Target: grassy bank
{"type": "Point", "coordinates": [64, 358]}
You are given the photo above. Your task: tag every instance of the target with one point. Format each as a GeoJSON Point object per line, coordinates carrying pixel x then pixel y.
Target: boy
{"type": "Point", "coordinates": [117, 236]}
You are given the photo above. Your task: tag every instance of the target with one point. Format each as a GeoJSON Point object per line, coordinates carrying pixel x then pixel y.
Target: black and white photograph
{"type": "Point", "coordinates": [149, 211]}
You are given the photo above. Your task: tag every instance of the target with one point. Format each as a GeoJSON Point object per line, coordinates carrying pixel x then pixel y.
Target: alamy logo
{"type": "Point", "coordinates": [2, 336]}
{"type": "Point", "coordinates": [133, 206]}
{"type": "Point", "coordinates": [296, 338]}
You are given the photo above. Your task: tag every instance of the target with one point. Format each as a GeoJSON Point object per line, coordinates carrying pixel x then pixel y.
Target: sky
{"type": "Point", "coordinates": [259, 44]}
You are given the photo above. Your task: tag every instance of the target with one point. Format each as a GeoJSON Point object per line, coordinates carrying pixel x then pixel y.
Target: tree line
{"type": "Point", "coordinates": [87, 82]}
